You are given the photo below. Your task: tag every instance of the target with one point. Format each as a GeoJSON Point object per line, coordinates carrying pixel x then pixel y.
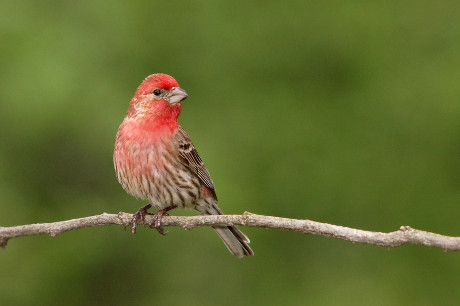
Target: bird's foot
{"type": "Point", "coordinates": [157, 220]}
{"type": "Point", "coordinates": [140, 215]}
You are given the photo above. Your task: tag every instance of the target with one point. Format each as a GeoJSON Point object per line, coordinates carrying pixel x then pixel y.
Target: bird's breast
{"type": "Point", "coordinates": [150, 169]}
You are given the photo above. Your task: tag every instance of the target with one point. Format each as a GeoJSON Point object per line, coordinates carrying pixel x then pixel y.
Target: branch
{"type": "Point", "coordinates": [404, 236]}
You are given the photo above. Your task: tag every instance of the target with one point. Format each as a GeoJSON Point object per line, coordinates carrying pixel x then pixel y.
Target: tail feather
{"type": "Point", "coordinates": [234, 239]}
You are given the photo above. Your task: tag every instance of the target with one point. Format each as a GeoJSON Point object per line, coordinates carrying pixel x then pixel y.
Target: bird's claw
{"type": "Point", "coordinates": [157, 221]}
{"type": "Point", "coordinates": [140, 215]}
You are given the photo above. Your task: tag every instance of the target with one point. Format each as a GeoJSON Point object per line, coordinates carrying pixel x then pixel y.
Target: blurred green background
{"type": "Point", "coordinates": [340, 112]}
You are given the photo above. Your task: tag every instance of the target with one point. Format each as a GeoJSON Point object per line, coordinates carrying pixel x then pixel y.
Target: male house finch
{"type": "Point", "coordinates": [155, 160]}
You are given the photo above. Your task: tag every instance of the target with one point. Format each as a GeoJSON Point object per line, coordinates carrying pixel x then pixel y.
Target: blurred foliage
{"type": "Point", "coordinates": [340, 112]}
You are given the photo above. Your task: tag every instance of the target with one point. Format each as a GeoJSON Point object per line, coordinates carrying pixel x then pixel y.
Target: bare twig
{"type": "Point", "coordinates": [405, 235]}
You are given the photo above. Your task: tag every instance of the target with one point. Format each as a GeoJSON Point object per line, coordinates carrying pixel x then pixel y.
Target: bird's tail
{"type": "Point", "coordinates": [234, 239]}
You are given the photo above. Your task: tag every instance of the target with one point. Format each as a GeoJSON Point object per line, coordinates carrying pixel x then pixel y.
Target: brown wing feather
{"type": "Point", "coordinates": [189, 157]}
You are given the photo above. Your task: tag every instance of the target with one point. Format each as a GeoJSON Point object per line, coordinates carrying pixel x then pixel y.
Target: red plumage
{"type": "Point", "coordinates": [155, 159]}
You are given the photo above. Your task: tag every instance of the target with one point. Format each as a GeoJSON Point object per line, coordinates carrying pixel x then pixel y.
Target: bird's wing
{"type": "Point", "coordinates": [189, 156]}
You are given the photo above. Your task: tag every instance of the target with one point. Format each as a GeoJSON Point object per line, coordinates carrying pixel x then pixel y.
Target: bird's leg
{"type": "Point", "coordinates": [157, 219]}
{"type": "Point", "coordinates": [140, 215]}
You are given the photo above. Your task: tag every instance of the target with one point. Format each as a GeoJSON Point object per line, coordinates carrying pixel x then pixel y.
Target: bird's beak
{"type": "Point", "coordinates": [176, 95]}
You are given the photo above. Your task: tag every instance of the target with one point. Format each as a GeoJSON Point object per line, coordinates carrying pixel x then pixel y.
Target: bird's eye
{"type": "Point", "coordinates": [157, 92]}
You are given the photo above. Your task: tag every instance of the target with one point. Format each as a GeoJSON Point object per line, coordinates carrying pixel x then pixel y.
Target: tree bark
{"type": "Point", "coordinates": [404, 236]}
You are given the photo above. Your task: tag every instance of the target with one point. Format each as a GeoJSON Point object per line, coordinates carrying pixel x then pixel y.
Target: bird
{"type": "Point", "coordinates": [155, 160]}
